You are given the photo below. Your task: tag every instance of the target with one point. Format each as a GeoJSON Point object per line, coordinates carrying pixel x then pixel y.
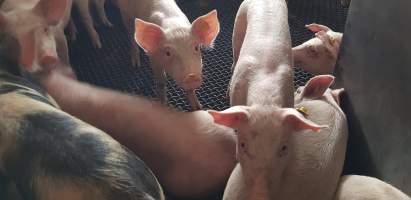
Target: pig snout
{"type": "Point", "coordinates": [48, 52]}
{"type": "Point", "coordinates": [48, 60]}
{"type": "Point", "coordinates": [192, 81]}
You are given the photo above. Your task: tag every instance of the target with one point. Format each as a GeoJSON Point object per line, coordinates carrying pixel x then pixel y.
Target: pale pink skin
{"type": "Point", "coordinates": [39, 28]}
{"type": "Point", "coordinates": [318, 158]}
{"type": "Point", "coordinates": [319, 54]}
{"type": "Point", "coordinates": [263, 155]}
{"type": "Point", "coordinates": [354, 187]}
{"type": "Point", "coordinates": [296, 155]}
{"type": "Point", "coordinates": [162, 30]}
{"type": "Point", "coordinates": [262, 79]}
{"type": "Point", "coordinates": [262, 59]}
{"type": "Point", "coordinates": [187, 151]}
{"type": "Point", "coordinates": [84, 8]}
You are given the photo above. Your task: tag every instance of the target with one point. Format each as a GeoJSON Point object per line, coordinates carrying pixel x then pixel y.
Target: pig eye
{"type": "Point", "coordinates": [312, 51]}
{"type": "Point", "coordinates": [283, 151]}
{"type": "Point", "coordinates": [196, 48]}
{"type": "Point", "coordinates": [168, 53]}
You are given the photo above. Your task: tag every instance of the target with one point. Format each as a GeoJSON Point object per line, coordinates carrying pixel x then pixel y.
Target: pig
{"type": "Point", "coordinates": [46, 153]}
{"type": "Point", "coordinates": [355, 187]}
{"type": "Point", "coordinates": [263, 155]}
{"type": "Point", "coordinates": [84, 8]}
{"type": "Point", "coordinates": [345, 3]}
{"type": "Point", "coordinates": [318, 158]}
{"type": "Point", "coordinates": [262, 59]}
{"type": "Point", "coordinates": [39, 26]}
{"type": "Point", "coordinates": [190, 154]}
{"type": "Point", "coordinates": [314, 161]}
{"type": "Point", "coordinates": [173, 44]}
{"type": "Point", "coordinates": [319, 54]}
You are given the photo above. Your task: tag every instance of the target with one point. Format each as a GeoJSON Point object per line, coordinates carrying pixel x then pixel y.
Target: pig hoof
{"type": "Point", "coordinates": [135, 61]}
{"type": "Point", "coordinates": [97, 44]}
{"type": "Point", "coordinates": [107, 23]}
{"type": "Point", "coordinates": [196, 107]}
{"type": "Point", "coordinates": [73, 36]}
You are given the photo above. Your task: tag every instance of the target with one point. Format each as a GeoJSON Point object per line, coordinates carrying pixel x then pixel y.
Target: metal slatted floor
{"type": "Point", "coordinates": [110, 66]}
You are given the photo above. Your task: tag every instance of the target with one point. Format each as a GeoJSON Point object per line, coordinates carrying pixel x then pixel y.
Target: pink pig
{"type": "Point", "coordinates": [262, 60]}
{"type": "Point", "coordinates": [318, 158]}
{"type": "Point", "coordinates": [263, 154]}
{"type": "Point", "coordinates": [171, 42]}
{"type": "Point", "coordinates": [318, 55]}
{"type": "Point", "coordinates": [290, 157]}
{"type": "Point", "coordinates": [39, 26]}
{"type": "Point", "coordinates": [190, 154]}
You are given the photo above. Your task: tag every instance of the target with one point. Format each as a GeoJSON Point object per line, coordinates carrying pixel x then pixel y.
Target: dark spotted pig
{"type": "Point", "coordinates": [50, 155]}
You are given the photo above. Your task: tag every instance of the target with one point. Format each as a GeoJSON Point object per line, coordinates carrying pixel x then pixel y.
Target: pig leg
{"type": "Point", "coordinates": [135, 53]}
{"type": "Point", "coordinates": [102, 13]}
{"type": "Point", "coordinates": [161, 78]}
{"type": "Point", "coordinates": [84, 10]}
{"type": "Point", "coordinates": [134, 50]}
{"type": "Point", "coordinates": [193, 100]}
{"type": "Point", "coordinates": [72, 31]}
{"type": "Point", "coordinates": [62, 46]}
{"type": "Point", "coordinates": [62, 51]}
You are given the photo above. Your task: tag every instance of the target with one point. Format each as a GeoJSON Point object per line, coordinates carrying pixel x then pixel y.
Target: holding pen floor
{"type": "Point", "coordinates": [110, 66]}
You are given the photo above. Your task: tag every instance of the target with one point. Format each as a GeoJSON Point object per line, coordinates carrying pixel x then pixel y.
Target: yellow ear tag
{"type": "Point", "coordinates": [303, 111]}
{"type": "Point", "coordinates": [332, 40]}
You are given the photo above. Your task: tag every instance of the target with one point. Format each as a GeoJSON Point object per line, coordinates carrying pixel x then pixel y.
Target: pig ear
{"type": "Point", "coordinates": [148, 35]}
{"type": "Point", "coordinates": [206, 28]}
{"type": "Point", "coordinates": [317, 85]}
{"type": "Point", "coordinates": [28, 50]}
{"type": "Point", "coordinates": [298, 122]}
{"type": "Point", "coordinates": [317, 27]}
{"type": "Point", "coordinates": [337, 95]}
{"type": "Point", "coordinates": [53, 10]}
{"type": "Point", "coordinates": [232, 117]}
{"type": "Point", "coordinates": [329, 43]}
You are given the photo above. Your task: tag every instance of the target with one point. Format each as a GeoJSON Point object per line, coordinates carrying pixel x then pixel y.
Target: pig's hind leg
{"type": "Point", "coordinates": [134, 49]}
{"type": "Point", "coordinates": [72, 30]}
{"type": "Point", "coordinates": [161, 78]}
{"type": "Point", "coordinates": [193, 100]}
{"type": "Point", "coordinates": [84, 10]}
{"type": "Point", "coordinates": [101, 13]}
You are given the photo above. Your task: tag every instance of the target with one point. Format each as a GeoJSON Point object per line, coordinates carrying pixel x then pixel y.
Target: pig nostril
{"type": "Point", "coordinates": [48, 60]}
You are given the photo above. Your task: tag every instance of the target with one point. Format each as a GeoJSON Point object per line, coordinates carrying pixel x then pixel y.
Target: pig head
{"type": "Point", "coordinates": [318, 55]}
{"type": "Point", "coordinates": [37, 30]}
{"type": "Point", "coordinates": [177, 51]}
{"type": "Point", "coordinates": [262, 146]}
{"type": "Point", "coordinates": [318, 88]}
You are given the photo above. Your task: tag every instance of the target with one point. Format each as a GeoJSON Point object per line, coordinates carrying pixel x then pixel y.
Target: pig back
{"type": "Point", "coordinates": [50, 154]}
